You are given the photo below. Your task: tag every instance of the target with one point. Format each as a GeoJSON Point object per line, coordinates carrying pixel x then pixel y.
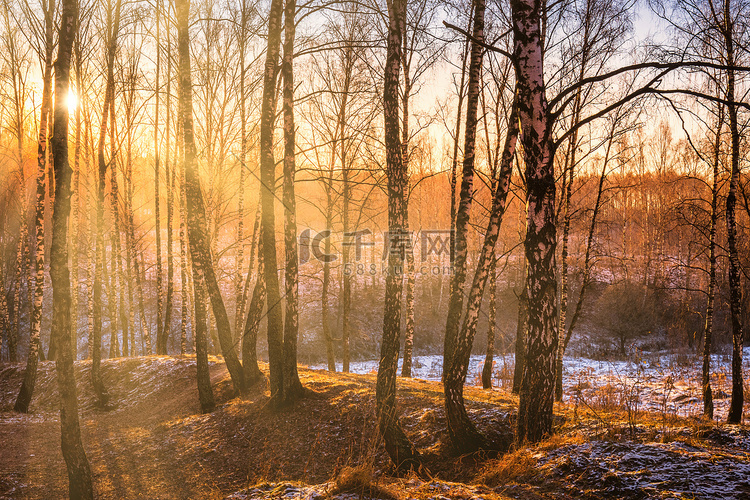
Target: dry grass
{"type": "Point", "coordinates": [514, 467]}
{"type": "Point", "coordinates": [155, 442]}
{"type": "Point", "coordinates": [520, 465]}
{"type": "Point", "coordinates": [363, 481]}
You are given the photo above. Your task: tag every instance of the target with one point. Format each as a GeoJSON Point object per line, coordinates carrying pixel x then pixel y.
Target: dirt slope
{"type": "Point", "coordinates": [154, 443]}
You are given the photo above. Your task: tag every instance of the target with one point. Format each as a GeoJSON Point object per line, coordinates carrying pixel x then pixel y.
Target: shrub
{"type": "Point", "coordinates": [625, 312]}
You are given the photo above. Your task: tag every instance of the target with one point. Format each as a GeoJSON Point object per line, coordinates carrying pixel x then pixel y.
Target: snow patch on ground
{"type": "Point", "coordinates": [646, 470]}
{"type": "Point", "coordinates": [647, 382]}
{"type": "Point", "coordinates": [412, 488]}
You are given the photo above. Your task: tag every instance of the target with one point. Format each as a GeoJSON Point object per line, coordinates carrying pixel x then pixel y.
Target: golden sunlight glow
{"type": "Point", "coordinates": [72, 101]}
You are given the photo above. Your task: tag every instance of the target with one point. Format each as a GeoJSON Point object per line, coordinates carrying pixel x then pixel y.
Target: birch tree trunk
{"type": "Point", "coordinates": [116, 263]}
{"type": "Point", "coordinates": [161, 339]}
{"type": "Point", "coordinates": [196, 217]}
{"type": "Point", "coordinates": [184, 275]}
{"type": "Point", "coordinates": [184, 307]}
{"type": "Point", "coordinates": [200, 333]}
{"type": "Point", "coordinates": [735, 276]}
{"type": "Point", "coordinates": [22, 257]}
{"type": "Point", "coordinates": [199, 246]}
{"type": "Point", "coordinates": [400, 449]}
{"type": "Point", "coordinates": [325, 306]}
{"type": "Point", "coordinates": [491, 327]}
{"type": "Point", "coordinates": [708, 402]}
{"type": "Point", "coordinates": [37, 295]}
{"type": "Point", "coordinates": [537, 385]}
{"type": "Point", "coordinates": [75, 210]}
{"type": "Point", "coordinates": [456, 140]}
{"type": "Point", "coordinates": [90, 273]}
{"type": "Point", "coordinates": [4, 313]}
{"type": "Point", "coordinates": [292, 387]}
{"type": "Point", "coordinates": [113, 27]}
{"type": "Point", "coordinates": [456, 299]}
{"type": "Point", "coordinates": [239, 291]}
{"type": "Point", "coordinates": [253, 374]}
{"type": "Point", "coordinates": [268, 218]}
{"type": "Point", "coordinates": [10, 47]}
{"type": "Point", "coordinates": [22, 268]}
{"type": "Point", "coordinates": [346, 189]}
{"type": "Point", "coordinates": [493, 161]}
{"type": "Point", "coordinates": [79, 472]}
{"type": "Point", "coordinates": [462, 431]}
{"type": "Point", "coordinates": [406, 364]}
{"type": "Point", "coordinates": [171, 177]}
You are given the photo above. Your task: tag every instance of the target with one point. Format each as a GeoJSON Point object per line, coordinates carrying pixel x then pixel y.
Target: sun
{"type": "Point", "coordinates": [72, 101]}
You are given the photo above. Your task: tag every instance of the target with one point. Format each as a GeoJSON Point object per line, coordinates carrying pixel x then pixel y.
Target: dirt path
{"type": "Point", "coordinates": [154, 443]}
{"type": "Point", "coordinates": [131, 453]}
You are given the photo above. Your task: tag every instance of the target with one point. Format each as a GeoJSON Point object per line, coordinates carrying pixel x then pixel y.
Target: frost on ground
{"type": "Point", "coordinates": [153, 442]}
{"type": "Point", "coordinates": [393, 490]}
{"type": "Point", "coordinates": [667, 384]}
{"type": "Point", "coordinates": [713, 464]}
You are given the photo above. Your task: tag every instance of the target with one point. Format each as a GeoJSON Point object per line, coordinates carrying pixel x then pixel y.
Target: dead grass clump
{"type": "Point", "coordinates": [607, 397]}
{"type": "Point", "coordinates": [361, 480]}
{"type": "Point", "coordinates": [514, 467]}
{"type": "Point", "coordinates": [559, 440]}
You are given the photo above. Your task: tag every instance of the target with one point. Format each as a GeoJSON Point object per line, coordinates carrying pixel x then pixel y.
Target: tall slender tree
{"type": "Point", "coordinates": [253, 374]}
{"type": "Point", "coordinates": [460, 252]}
{"type": "Point", "coordinates": [241, 34]}
{"type": "Point", "coordinates": [725, 22]}
{"type": "Point", "coordinates": [13, 59]}
{"type": "Point", "coordinates": [463, 434]}
{"type": "Point", "coordinates": [292, 387]}
{"type": "Point", "coordinates": [113, 28]}
{"type": "Point", "coordinates": [196, 216]}
{"type": "Point", "coordinates": [171, 178]}
{"type": "Point", "coordinates": [537, 384]}
{"type": "Point", "coordinates": [29, 379]}
{"type": "Point", "coordinates": [708, 402]}
{"type": "Point", "coordinates": [402, 452]}
{"type": "Point", "coordinates": [161, 337]}
{"type": "Point", "coordinates": [79, 471]}
{"type": "Point", "coordinates": [275, 327]}
{"type": "Point", "coordinates": [197, 224]}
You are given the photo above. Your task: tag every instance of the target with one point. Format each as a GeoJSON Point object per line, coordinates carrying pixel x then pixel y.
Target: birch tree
{"type": "Point", "coordinates": [37, 294]}
{"type": "Point", "coordinates": [722, 26]}
{"type": "Point", "coordinates": [14, 59]}
{"type": "Point", "coordinates": [462, 432]}
{"type": "Point", "coordinates": [196, 217]}
{"type": "Point", "coordinates": [708, 404]}
{"type": "Point", "coordinates": [197, 224]}
{"type": "Point", "coordinates": [292, 387]}
{"type": "Point", "coordinates": [79, 471]}
{"type": "Point", "coordinates": [161, 329]}
{"type": "Point", "coordinates": [113, 28]}
{"type": "Point", "coordinates": [402, 452]}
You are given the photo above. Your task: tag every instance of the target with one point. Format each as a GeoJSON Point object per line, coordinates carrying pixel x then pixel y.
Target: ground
{"type": "Point", "coordinates": [154, 443]}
